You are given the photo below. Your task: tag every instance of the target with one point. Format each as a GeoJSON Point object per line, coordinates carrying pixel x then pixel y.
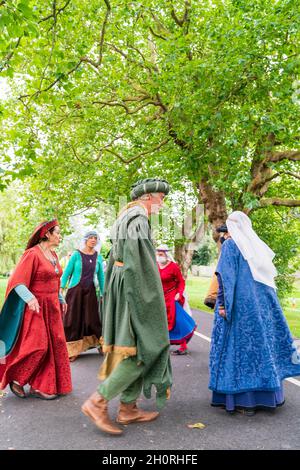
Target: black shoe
{"type": "Point", "coordinates": [179, 353]}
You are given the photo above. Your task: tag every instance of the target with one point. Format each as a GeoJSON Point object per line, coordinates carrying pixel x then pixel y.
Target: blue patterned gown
{"type": "Point", "coordinates": [252, 350]}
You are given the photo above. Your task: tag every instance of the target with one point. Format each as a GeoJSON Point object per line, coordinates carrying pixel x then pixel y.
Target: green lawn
{"type": "Point", "coordinates": [197, 288]}
{"type": "Point", "coordinates": [2, 289]}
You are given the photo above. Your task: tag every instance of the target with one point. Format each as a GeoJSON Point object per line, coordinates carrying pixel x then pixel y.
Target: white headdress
{"type": "Point", "coordinates": [87, 235]}
{"type": "Point", "coordinates": [166, 249]}
{"type": "Point", "coordinates": [255, 251]}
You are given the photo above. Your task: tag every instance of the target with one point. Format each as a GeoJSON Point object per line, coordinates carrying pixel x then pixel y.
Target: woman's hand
{"type": "Point", "coordinates": [179, 298]}
{"type": "Point", "coordinates": [64, 308]}
{"type": "Point", "coordinates": [34, 305]}
{"type": "Point", "coordinates": [222, 312]}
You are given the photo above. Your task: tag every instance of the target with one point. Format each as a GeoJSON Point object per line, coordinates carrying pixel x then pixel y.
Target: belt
{"type": "Point", "coordinates": [118, 263]}
{"type": "Point", "coordinates": [170, 290]}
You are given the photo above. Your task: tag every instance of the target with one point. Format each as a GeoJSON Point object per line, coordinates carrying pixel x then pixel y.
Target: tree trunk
{"type": "Point", "coordinates": [215, 211]}
{"type": "Point", "coordinates": [184, 256]}
{"type": "Point", "coordinates": [215, 206]}
{"type": "Point", "coordinates": [192, 232]}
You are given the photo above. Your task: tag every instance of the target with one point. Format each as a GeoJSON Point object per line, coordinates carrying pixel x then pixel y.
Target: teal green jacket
{"type": "Point", "coordinates": [72, 273]}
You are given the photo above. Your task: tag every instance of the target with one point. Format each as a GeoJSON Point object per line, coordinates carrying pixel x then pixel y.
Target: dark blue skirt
{"type": "Point", "coordinates": [184, 326]}
{"type": "Point", "coordinates": [249, 400]}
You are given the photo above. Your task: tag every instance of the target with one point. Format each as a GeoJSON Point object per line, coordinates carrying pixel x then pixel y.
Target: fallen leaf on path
{"type": "Point", "coordinates": [196, 426]}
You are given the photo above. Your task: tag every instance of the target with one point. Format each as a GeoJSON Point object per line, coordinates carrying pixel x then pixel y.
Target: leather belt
{"type": "Point", "coordinates": [118, 263]}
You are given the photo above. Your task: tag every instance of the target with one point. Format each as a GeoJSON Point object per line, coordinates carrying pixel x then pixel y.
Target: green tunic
{"type": "Point", "coordinates": [134, 312]}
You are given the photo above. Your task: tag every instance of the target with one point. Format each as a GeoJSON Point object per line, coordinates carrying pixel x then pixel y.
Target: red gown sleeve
{"type": "Point", "coordinates": [24, 271]}
{"type": "Point", "coordinates": [12, 312]}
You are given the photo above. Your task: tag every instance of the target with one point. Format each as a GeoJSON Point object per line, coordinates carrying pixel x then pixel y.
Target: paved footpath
{"type": "Point", "coordinates": [59, 424]}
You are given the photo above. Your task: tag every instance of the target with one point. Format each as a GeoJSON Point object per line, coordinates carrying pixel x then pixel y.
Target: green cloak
{"type": "Point", "coordinates": [134, 311]}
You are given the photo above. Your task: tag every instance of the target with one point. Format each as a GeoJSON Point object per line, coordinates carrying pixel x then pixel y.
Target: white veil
{"type": "Point", "coordinates": [255, 251]}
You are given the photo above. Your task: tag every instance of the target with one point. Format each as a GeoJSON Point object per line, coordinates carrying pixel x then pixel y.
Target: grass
{"type": "Point", "coordinates": [3, 283]}
{"type": "Point", "coordinates": [291, 309]}
{"type": "Point", "coordinates": [197, 288]}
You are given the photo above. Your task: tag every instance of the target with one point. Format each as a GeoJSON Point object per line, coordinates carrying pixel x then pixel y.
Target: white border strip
{"type": "Point", "coordinates": [203, 337]}
{"type": "Point", "coordinates": [292, 381]}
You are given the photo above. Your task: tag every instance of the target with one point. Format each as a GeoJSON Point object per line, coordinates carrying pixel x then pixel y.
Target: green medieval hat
{"type": "Point", "coordinates": [149, 185]}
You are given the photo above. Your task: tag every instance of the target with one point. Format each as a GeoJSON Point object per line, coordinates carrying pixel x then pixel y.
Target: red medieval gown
{"type": "Point", "coordinates": [173, 283]}
{"type": "Point", "coordinates": [39, 357]}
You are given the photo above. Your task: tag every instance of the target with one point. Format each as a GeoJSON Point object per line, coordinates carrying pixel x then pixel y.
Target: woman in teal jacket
{"type": "Point", "coordinates": [84, 275]}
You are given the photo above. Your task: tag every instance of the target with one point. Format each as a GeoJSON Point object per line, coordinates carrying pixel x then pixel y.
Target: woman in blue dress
{"type": "Point", "coordinates": [252, 349]}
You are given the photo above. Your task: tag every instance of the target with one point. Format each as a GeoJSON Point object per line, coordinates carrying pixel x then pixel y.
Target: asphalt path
{"type": "Point", "coordinates": [36, 424]}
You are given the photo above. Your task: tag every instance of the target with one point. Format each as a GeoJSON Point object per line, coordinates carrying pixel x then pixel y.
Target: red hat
{"type": "Point", "coordinates": [40, 232]}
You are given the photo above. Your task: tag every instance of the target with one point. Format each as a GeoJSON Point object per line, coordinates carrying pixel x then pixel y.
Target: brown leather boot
{"type": "Point", "coordinates": [95, 407]}
{"type": "Point", "coordinates": [130, 413]}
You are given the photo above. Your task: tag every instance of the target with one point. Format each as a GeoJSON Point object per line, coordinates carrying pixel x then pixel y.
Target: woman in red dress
{"type": "Point", "coordinates": [174, 285]}
{"type": "Point", "coordinates": [34, 345]}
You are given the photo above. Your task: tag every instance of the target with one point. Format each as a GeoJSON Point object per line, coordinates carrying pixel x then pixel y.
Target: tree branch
{"type": "Point", "coordinates": [125, 107]}
{"type": "Point", "coordinates": [138, 51]}
{"type": "Point", "coordinates": [185, 18]}
{"type": "Point", "coordinates": [294, 175]}
{"type": "Point", "coordinates": [140, 155]}
{"type": "Point", "coordinates": [155, 116]}
{"type": "Point", "coordinates": [133, 61]}
{"type": "Point", "coordinates": [118, 137]}
{"type": "Point", "coordinates": [290, 173]}
{"type": "Point", "coordinates": [57, 12]}
{"type": "Point", "coordinates": [108, 11]}
{"type": "Point", "coordinates": [10, 55]}
{"type": "Point", "coordinates": [76, 155]}
{"type": "Point", "coordinates": [138, 99]}
{"type": "Point", "coordinates": [156, 34]}
{"type": "Point", "coordinates": [273, 201]}
{"type": "Point", "coordinates": [181, 143]}
{"type": "Point", "coordinates": [267, 180]}
{"type": "Point", "coordinates": [52, 45]}
{"type": "Point", "coordinates": [92, 205]}
{"type": "Point", "coordinates": [160, 25]}
{"type": "Point", "coordinates": [91, 62]}
{"type": "Point", "coordinates": [37, 93]}
{"type": "Point", "coordinates": [279, 156]}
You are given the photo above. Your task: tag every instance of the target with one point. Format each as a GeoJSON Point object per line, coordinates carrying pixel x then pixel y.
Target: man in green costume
{"type": "Point", "coordinates": [135, 329]}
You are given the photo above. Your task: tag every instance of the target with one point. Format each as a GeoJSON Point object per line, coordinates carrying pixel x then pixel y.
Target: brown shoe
{"type": "Point", "coordinates": [17, 389]}
{"type": "Point", "coordinates": [95, 408]}
{"type": "Point", "coordinates": [130, 413]}
{"type": "Point", "coordinates": [42, 395]}
{"type": "Point", "coordinates": [72, 358]}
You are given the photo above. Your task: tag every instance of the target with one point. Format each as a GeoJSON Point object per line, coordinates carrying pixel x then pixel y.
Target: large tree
{"type": "Point", "coordinates": [104, 91]}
